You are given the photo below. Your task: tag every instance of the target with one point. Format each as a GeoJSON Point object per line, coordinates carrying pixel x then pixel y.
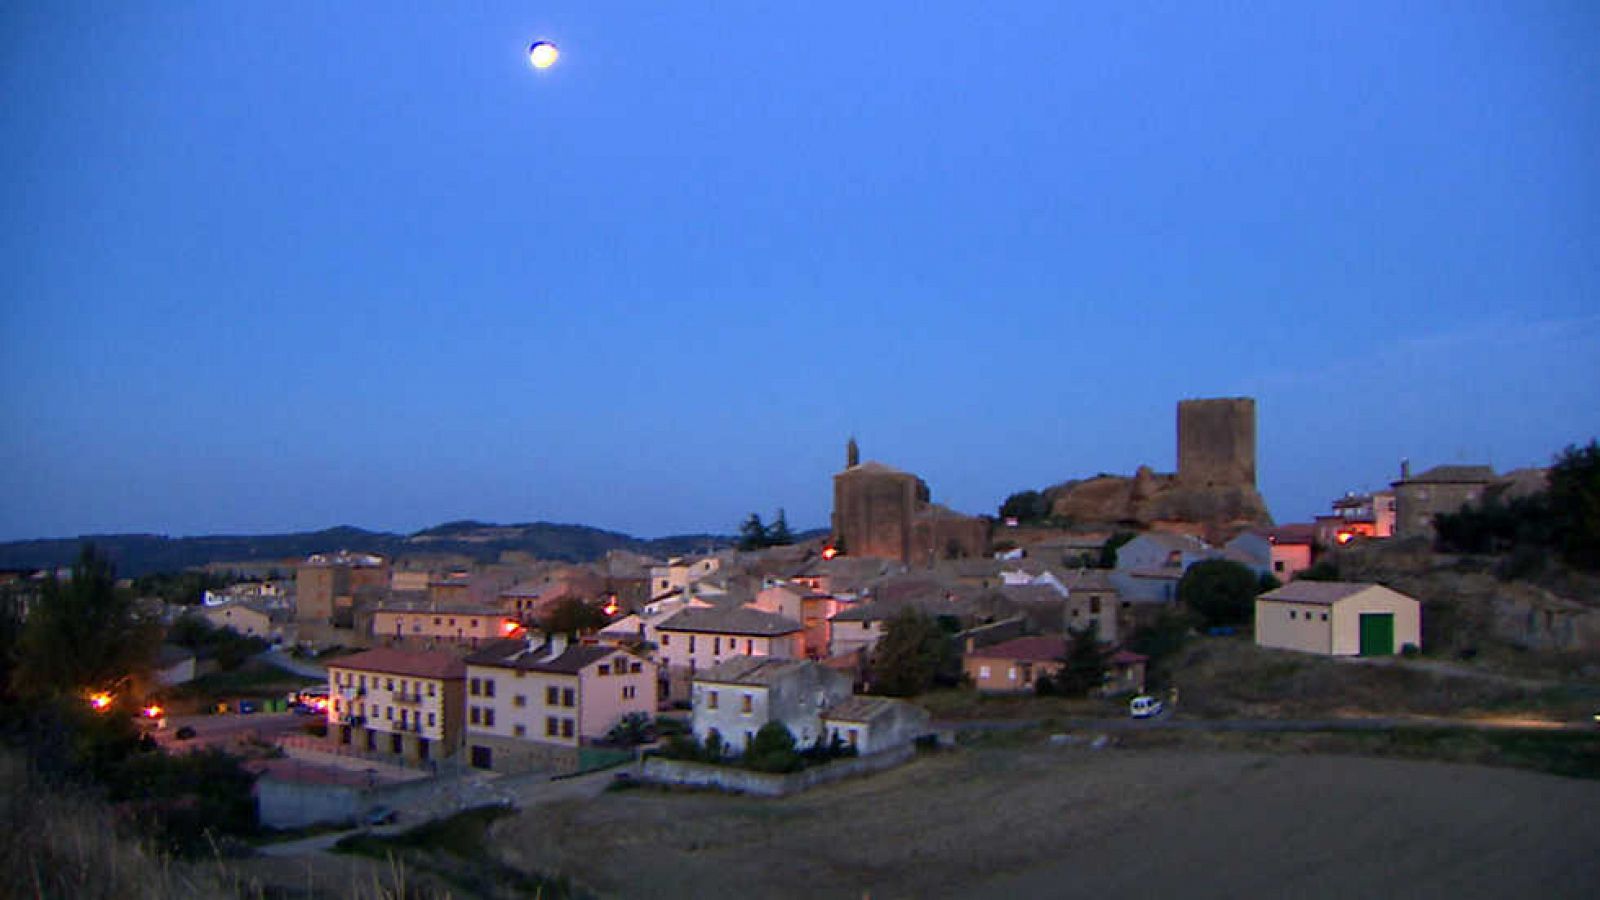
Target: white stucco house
{"type": "Point", "coordinates": [1338, 618]}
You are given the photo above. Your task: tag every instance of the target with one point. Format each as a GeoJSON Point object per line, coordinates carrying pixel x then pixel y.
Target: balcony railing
{"type": "Point", "coordinates": [412, 699]}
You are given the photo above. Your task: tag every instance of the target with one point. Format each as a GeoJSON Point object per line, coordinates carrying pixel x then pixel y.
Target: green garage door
{"type": "Point", "coordinates": [1377, 634]}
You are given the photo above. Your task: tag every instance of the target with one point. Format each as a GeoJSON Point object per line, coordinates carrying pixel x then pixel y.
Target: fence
{"type": "Point", "coordinates": [660, 770]}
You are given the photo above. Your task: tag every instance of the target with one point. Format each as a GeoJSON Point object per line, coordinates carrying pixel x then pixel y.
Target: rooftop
{"type": "Point", "coordinates": [734, 620]}
{"type": "Point", "coordinates": [1454, 475]}
{"type": "Point", "coordinates": [511, 653]}
{"type": "Point", "coordinates": [1324, 593]}
{"type": "Point", "coordinates": [752, 670]}
{"type": "Point", "coordinates": [1042, 648]}
{"type": "Point", "coordinates": [423, 664]}
{"type": "Point", "coordinates": [861, 708]}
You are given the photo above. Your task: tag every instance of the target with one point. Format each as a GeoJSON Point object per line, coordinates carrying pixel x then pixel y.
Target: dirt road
{"type": "Point", "coordinates": [1073, 822]}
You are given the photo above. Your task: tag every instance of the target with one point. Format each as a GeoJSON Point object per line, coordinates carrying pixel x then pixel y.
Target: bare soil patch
{"type": "Point", "coordinates": [1020, 822]}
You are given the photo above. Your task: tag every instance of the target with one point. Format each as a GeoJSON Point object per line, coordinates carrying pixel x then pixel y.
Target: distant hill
{"type": "Point", "coordinates": [142, 554]}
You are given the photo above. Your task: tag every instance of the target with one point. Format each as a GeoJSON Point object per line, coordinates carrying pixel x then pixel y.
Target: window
{"type": "Point", "coordinates": [628, 691]}
{"type": "Point", "coordinates": [431, 688]}
{"type": "Point", "coordinates": [605, 669]}
{"type": "Point", "coordinates": [983, 671]}
{"type": "Point", "coordinates": [431, 720]}
{"type": "Point", "coordinates": [746, 705]}
{"type": "Point", "coordinates": [749, 649]}
{"type": "Point", "coordinates": [473, 715]}
{"type": "Point", "coordinates": [635, 668]}
{"type": "Point", "coordinates": [388, 713]}
{"type": "Point", "coordinates": [1324, 617]}
{"type": "Point", "coordinates": [550, 726]}
{"type": "Point", "coordinates": [488, 687]}
{"type": "Point", "coordinates": [1011, 674]}
{"type": "Point", "coordinates": [566, 728]}
{"type": "Point", "coordinates": [519, 700]}
{"type": "Point", "coordinates": [1277, 565]}
{"type": "Point", "coordinates": [552, 695]}
{"type": "Point", "coordinates": [388, 684]}
{"type": "Point", "coordinates": [474, 686]}
{"type": "Point", "coordinates": [436, 620]}
{"type": "Point", "coordinates": [851, 736]}
{"type": "Point", "coordinates": [1094, 605]}
{"type": "Point", "coordinates": [474, 623]}
{"type": "Point", "coordinates": [1291, 614]}
{"type": "Point", "coordinates": [691, 643]}
{"type": "Point", "coordinates": [403, 718]}
{"type": "Point", "coordinates": [488, 717]}
{"type": "Point", "coordinates": [716, 646]}
{"type": "Point", "coordinates": [711, 699]}
{"type": "Point", "coordinates": [567, 698]}
{"type": "Point", "coordinates": [520, 730]}
{"type": "Point", "coordinates": [666, 640]}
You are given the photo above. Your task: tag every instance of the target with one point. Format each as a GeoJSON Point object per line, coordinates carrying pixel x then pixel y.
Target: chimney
{"type": "Point", "coordinates": [558, 644]}
{"type": "Point", "coordinates": [1405, 469]}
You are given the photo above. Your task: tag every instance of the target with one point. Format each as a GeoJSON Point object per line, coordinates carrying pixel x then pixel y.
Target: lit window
{"type": "Point", "coordinates": [746, 705]}
{"type": "Point", "coordinates": [983, 671]}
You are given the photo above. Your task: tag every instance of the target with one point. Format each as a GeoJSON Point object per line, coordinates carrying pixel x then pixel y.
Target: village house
{"type": "Point", "coordinates": [174, 665]}
{"type": "Point", "coordinates": [874, 724]}
{"type": "Point", "coordinates": [532, 705]}
{"type": "Point", "coordinates": [406, 706]}
{"type": "Point", "coordinates": [1015, 666]}
{"type": "Point", "coordinates": [858, 628]}
{"type": "Point", "coordinates": [695, 638]}
{"type": "Point", "coordinates": [803, 604]}
{"type": "Point", "coordinates": [1292, 549]}
{"type": "Point", "coordinates": [1338, 618]}
{"type": "Point", "coordinates": [680, 572]}
{"type": "Point", "coordinates": [743, 693]}
{"type": "Point", "coordinates": [250, 618]}
{"type": "Point", "coordinates": [427, 624]}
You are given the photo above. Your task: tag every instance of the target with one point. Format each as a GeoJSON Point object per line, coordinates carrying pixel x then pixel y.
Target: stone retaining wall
{"type": "Point", "coordinates": [659, 770]}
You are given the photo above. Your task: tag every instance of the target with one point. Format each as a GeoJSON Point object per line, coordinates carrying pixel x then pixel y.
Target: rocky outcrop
{"type": "Point", "coordinates": [1149, 497]}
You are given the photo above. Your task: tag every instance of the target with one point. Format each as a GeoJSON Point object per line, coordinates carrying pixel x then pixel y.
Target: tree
{"type": "Point", "coordinates": [83, 634]}
{"type": "Point", "coordinates": [752, 534]}
{"type": "Point", "coordinates": [779, 535]}
{"type": "Point", "coordinates": [772, 750]}
{"type": "Point", "coordinates": [1108, 550]}
{"type": "Point", "coordinates": [1220, 591]}
{"type": "Point", "coordinates": [1573, 499]}
{"type": "Point", "coordinates": [1025, 506]}
{"type": "Point", "coordinates": [572, 616]}
{"type": "Point", "coordinates": [913, 654]}
{"type": "Point", "coordinates": [1083, 666]}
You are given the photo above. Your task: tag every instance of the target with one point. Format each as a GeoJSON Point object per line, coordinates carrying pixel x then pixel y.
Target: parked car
{"type": "Point", "coordinates": [1145, 706]}
{"type": "Point", "coordinates": [184, 733]}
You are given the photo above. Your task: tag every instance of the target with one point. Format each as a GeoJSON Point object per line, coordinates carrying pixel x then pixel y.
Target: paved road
{"type": "Point", "coordinates": [226, 729]}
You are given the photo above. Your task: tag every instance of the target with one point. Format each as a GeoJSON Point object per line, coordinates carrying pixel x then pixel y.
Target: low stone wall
{"type": "Point", "coordinates": [658, 770]}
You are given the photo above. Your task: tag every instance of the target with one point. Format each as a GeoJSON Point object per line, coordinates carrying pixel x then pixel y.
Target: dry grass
{"type": "Point", "coordinates": [1030, 821]}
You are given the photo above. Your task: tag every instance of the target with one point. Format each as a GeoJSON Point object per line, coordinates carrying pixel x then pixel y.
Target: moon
{"type": "Point", "coordinates": [543, 54]}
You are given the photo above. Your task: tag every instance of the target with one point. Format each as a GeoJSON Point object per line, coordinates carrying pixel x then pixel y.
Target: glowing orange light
{"type": "Point", "coordinates": [321, 704]}
{"type": "Point", "coordinates": [509, 627]}
{"type": "Point", "coordinates": [101, 701]}
{"type": "Point", "coordinates": [610, 608]}
{"type": "Point", "coordinates": [152, 712]}
{"type": "Point", "coordinates": [1345, 537]}
{"type": "Point", "coordinates": [830, 552]}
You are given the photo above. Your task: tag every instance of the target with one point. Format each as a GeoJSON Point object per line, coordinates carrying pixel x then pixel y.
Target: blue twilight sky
{"type": "Point", "coordinates": [280, 266]}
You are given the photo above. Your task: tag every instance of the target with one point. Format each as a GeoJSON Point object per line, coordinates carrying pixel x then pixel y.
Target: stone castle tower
{"type": "Point", "coordinates": [1217, 442]}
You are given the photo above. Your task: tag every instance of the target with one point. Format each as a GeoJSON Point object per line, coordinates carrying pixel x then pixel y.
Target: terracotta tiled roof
{"type": "Point", "coordinates": [423, 664]}
{"type": "Point", "coordinates": [737, 620]}
{"type": "Point", "coordinates": [861, 708]}
{"type": "Point", "coordinates": [514, 654]}
{"type": "Point", "coordinates": [754, 670]}
{"type": "Point", "coordinates": [1325, 593]}
{"type": "Point", "coordinates": [1455, 475]}
{"type": "Point", "coordinates": [1029, 649]}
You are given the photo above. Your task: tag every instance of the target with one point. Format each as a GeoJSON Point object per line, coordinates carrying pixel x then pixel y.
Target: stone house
{"type": "Point", "coordinates": [811, 608]}
{"type": "Point", "coordinates": [430, 624]}
{"type": "Point", "coordinates": [532, 704]}
{"type": "Point", "coordinates": [1441, 489]}
{"type": "Point", "coordinates": [1338, 618]}
{"type": "Point", "coordinates": [741, 694]}
{"type": "Point", "coordinates": [246, 617]}
{"type": "Point", "coordinates": [875, 724]}
{"type": "Point", "coordinates": [406, 706]}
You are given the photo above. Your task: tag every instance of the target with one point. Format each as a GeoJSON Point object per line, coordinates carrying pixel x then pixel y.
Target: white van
{"type": "Point", "coordinates": [1145, 706]}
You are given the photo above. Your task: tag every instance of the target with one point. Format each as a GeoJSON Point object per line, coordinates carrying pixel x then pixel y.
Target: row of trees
{"type": "Point", "coordinates": [1563, 519]}
{"type": "Point", "coordinates": [755, 535]}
